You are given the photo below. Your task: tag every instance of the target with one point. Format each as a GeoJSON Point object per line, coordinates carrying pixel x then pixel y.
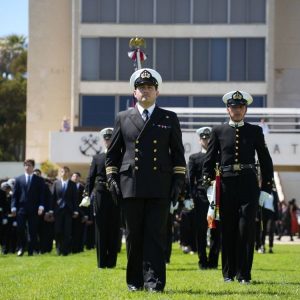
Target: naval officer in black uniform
{"type": "Point", "coordinates": [107, 213]}
{"type": "Point", "coordinates": [201, 206]}
{"type": "Point", "coordinates": [145, 163]}
{"type": "Point", "coordinates": [237, 142]}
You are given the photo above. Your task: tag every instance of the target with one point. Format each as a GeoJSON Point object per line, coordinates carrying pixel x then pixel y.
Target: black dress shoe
{"type": "Point", "coordinates": [20, 252]}
{"type": "Point", "coordinates": [153, 290]}
{"type": "Point", "coordinates": [244, 281]}
{"type": "Point", "coordinates": [133, 288]}
{"type": "Point", "coordinates": [228, 279]}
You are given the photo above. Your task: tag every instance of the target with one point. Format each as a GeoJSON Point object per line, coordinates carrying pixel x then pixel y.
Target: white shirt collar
{"type": "Point", "coordinates": [236, 124]}
{"type": "Point", "coordinates": [64, 181]}
{"type": "Point", "coordinates": [141, 109]}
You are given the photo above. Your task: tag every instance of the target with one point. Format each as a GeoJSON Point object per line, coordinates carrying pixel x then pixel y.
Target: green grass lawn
{"type": "Point", "coordinates": [275, 276]}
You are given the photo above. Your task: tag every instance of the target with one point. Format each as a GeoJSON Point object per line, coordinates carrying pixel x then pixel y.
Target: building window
{"type": "Point", "coordinates": [97, 111]}
{"type": "Point", "coordinates": [206, 61]}
{"type": "Point", "coordinates": [172, 101]}
{"type": "Point", "coordinates": [174, 11]}
{"type": "Point", "coordinates": [173, 59]}
{"type": "Point", "coordinates": [98, 59]}
{"type": "Point", "coordinates": [247, 11]}
{"type": "Point", "coordinates": [136, 11]}
{"type": "Point", "coordinates": [247, 59]}
{"type": "Point", "coordinates": [210, 11]}
{"type": "Point", "coordinates": [99, 11]}
{"type": "Point", "coordinates": [209, 59]}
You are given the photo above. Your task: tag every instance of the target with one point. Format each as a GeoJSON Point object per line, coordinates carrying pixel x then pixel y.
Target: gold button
{"type": "Point", "coordinates": [154, 158]}
{"type": "Point", "coordinates": [136, 158]}
{"type": "Point", "coordinates": [237, 130]}
{"type": "Point", "coordinates": [136, 150]}
{"type": "Point", "coordinates": [154, 141]}
{"type": "Point", "coordinates": [154, 150]}
{"type": "Point", "coordinates": [137, 141]}
{"type": "Point", "coordinates": [237, 142]}
{"type": "Point", "coordinates": [236, 147]}
{"type": "Point", "coordinates": [237, 135]}
{"type": "Point", "coordinates": [154, 168]}
{"type": "Point", "coordinates": [236, 160]}
{"type": "Point", "coordinates": [236, 154]}
{"type": "Point", "coordinates": [136, 167]}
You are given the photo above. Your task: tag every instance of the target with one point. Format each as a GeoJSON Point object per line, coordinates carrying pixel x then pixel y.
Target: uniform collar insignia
{"type": "Point", "coordinates": [236, 124]}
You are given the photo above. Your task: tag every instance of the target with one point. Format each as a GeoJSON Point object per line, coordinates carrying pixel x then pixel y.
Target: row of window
{"type": "Point", "coordinates": [174, 11]}
{"type": "Point", "coordinates": [217, 59]}
{"type": "Point", "coordinates": [100, 111]}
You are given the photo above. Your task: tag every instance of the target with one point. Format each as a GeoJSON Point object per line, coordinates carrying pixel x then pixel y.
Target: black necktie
{"type": "Point", "coordinates": [146, 115]}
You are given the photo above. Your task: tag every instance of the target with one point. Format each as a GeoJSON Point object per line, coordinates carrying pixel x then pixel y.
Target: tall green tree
{"type": "Point", "coordinates": [13, 84]}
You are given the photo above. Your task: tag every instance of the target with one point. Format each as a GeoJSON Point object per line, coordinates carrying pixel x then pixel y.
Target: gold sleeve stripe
{"type": "Point", "coordinates": [111, 170]}
{"type": "Point", "coordinates": [179, 170]}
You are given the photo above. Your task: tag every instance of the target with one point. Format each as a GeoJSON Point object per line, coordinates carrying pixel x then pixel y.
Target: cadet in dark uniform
{"type": "Point", "coordinates": [107, 213]}
{"type": "Point", "coordinates": [237, 142]}
{"type": "Point", "coordinates": [201, 206]}
{"type": "Point", "coordinates": [145, 161]}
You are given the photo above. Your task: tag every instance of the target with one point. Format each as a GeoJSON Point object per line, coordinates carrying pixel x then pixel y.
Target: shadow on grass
{"type": "Point", "coordinates": [258, 282]}
{"type": "Point", "coordinates": [226, 292]}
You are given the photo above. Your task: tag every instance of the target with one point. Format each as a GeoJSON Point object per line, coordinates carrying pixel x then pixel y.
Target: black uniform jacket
{"type": "Point", "coordinates": [196, 161]}
{"type": "Point", "coordinates": [238, 145]}
{"type": "Point", "coordinates": [97, 175]}
{"type": "Point", "coordinates": [146, 155]}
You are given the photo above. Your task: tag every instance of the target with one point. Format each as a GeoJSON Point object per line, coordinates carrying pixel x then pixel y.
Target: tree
{"type": "Point", "coordinates": [11, 48]}
{"type": "Point", "coordinates": [13, 84]}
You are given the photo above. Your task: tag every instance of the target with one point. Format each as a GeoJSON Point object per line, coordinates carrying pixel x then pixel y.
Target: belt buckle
{"type": "Point", "coordinates": [237, 167]}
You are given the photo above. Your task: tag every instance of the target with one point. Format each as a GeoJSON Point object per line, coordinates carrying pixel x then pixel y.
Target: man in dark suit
{"type": "Point", "coordinates": [201, 206]}
{"type": "Point", "coordinates": [78, 224]}
{"type": "Point", "coordinates": [236, 143]}
{"type": "Point", "coordinates": [64, 194]}
{"type": "Point", "coordinates": [107, 213]}
{"type": "Point", "coordinates": [145, 164]}
{"type": "Point", "coordinates": [27, 204]}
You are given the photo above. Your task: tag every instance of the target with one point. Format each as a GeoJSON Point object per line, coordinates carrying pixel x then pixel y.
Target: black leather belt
{"type": "Point", "coordinates": [102, 183]}
{"type": "Point", "coordinates": [237, 167]}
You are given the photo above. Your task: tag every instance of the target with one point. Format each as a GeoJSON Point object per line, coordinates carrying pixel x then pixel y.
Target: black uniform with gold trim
{"type": "Point", "coordinates": [237, 144]}
{"type": "Point", "coordinates": [148, 157]}
{"type": "Point", "coordinates": [201, 204]}
{"type": "Point", "coordinates": [106, 212]}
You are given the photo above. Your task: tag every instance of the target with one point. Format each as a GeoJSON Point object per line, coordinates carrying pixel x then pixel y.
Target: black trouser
{"type": "Point", "coordinates": [187, 229]}
{"type": "Point", "coordinates": [107, 229]}
{"type": "Point", "coordinates": [27, 227]}
{"type": "Point", "coordinates": [239, 202]}
{"type": "Point", "coordinates": [63, 230]}
{"type": "Point", "coordinates": [77, 234]}
{"type": "Point", "coordinates": [145, 223]}
{"type": "Point", "coordinates": [169, 237]}
{"type": "Point", "coordinates": [201, 208]}
{"type": "Point", "coordinates": [268, 226]}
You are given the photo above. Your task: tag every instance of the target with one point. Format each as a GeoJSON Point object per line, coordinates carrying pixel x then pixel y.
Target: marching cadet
{"type": "Point", "coordinates": [237, 142]}
{"type": "Point", "coordinates": [201, 206]}
{"type": "Point", "coordinates": [107, 213]}
{"type": "Point", "coordinates": [145, 164]}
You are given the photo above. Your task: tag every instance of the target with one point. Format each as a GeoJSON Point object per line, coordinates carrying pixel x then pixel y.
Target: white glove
{"type": "Point", "coordinates": [86, 201]}
{"type": "Point", "coordinates": [264, 196]}
{"type": "Point", "coordinates": [188, 204]}
{"type": "Point", "coordinates": [173, 208]}
{"type": "Point", "coordinates": [4, 221]}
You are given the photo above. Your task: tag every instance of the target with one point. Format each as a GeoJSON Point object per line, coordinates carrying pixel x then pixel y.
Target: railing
{"type": "Point", "coordinates": [279, 120]}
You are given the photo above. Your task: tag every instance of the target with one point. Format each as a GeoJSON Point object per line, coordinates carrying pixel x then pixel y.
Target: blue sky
{"type": "Point", "coordinates": [13, 17]}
